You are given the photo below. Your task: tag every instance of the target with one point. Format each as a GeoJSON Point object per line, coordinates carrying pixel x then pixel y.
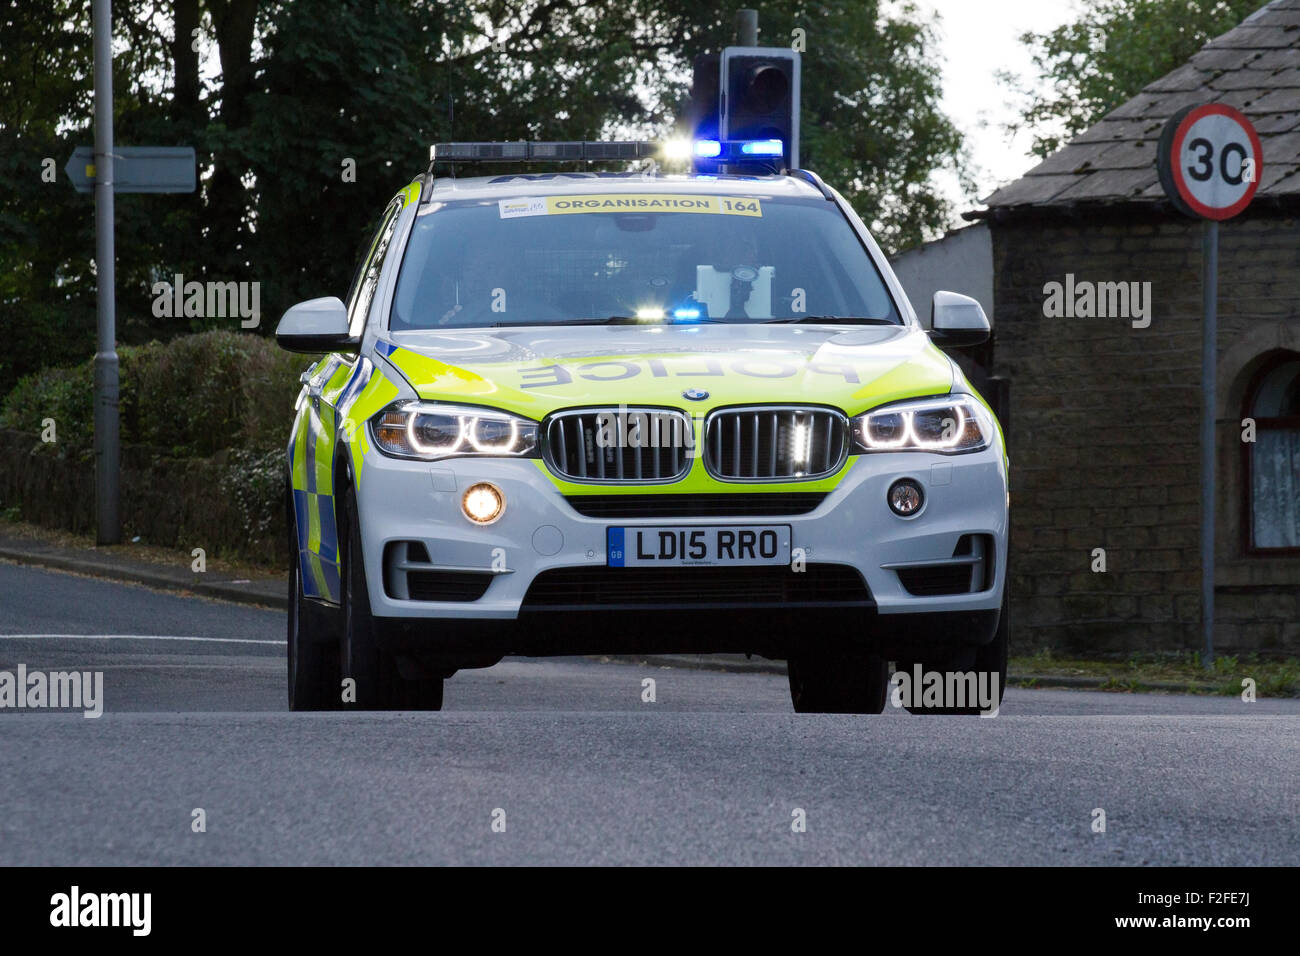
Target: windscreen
{"type": "Point", "coordinates": [652, 257]}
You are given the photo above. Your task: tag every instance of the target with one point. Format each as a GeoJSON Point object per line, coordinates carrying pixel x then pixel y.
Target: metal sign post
{"type": "Point", "coordinates": [1209, 362]}
{"type": "Point", "coordinates": [1209, 159]}
{"type": "Point", "coordinates": [147, 169]}
{"type": "Point", "coordinates": [107, 447]}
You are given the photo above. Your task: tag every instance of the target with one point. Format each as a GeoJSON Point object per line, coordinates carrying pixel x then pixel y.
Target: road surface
{"type": "Point", "coordinates": [580, 770]}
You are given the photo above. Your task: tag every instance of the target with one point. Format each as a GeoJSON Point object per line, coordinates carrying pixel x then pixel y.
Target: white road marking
{"type": "Point", "coordinates": [133, 637]}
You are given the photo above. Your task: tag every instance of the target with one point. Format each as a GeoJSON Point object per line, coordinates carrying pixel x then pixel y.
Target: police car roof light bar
{"type": "Point", "coordinates": [523, 151]}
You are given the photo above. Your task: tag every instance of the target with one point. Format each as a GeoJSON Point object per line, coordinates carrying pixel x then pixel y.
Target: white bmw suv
{"type": "Point", "coordinates": [631, 413]}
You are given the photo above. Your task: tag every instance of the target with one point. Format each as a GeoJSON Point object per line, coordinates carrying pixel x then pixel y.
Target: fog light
{"type": "Point", "coordinates": [483, 503]}
{"type": "Point", "coordinates": [905, 497]}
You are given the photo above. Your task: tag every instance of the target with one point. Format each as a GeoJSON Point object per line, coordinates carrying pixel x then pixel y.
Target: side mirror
{"type": "Point", "coordinates": [317, 325]}
{"type": "Point", "coordinates": [957, 321]}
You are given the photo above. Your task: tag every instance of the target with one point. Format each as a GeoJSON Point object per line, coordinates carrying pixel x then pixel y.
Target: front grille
{"type": "Point", "coordinates": [591, 588]}
{"type": "Point", "coordinates": [659, 452]}
{"type": "Point", "coordinates": [758, 505]}
{"type": "Point", "coordinates": [775, 443]}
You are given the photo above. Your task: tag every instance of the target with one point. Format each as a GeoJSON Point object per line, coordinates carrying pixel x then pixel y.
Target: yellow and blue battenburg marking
{"type": "Point", "coordinates": [346, 388]}
{"type": "Point", "coordinates": [318, 548]}
{"type": "Point", "coordinates": [350, 393]}
{"type": "Point", "coordinates": [313, 502]}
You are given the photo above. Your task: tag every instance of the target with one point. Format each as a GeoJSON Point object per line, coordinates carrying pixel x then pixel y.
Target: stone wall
{"type": "Point", "coordinates": [1103, 435]}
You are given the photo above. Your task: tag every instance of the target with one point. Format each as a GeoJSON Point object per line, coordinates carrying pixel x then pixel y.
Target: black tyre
{"type": "Point", "coordinates": [987, 661]}
{"type": "Point", "coordinates": [378, 684]}
{"type": "Point", "coordinates": [424, 693]}
{"type": "Point", "coordinates": [838, 682]}
{"type": "Point", "coordinates": [313, 671]}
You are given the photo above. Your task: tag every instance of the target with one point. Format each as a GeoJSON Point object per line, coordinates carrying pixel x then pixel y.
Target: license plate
{"type": "Point", "coordinates": [705, 546]}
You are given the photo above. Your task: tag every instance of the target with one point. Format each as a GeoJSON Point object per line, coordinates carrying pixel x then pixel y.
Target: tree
{"type": "Point", "coordinates": [275, 95]}
{"type": "Point", "coordinates": [1094, 64]}
{"type": "Point", "coordinates": [871, 122]}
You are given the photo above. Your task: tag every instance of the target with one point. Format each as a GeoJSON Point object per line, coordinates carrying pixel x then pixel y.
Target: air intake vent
{"type": "Point", "coordinates": [936, 580]}
{"type": "Point", "coordinates": [657, 589]}
{"type": "Point", "coordinates": [447, 585]}
{"type": "Point", "coordinates": [410, 576]}
{"type": "Point", "coordinates": [611, 445]}
{"type": "Point", "coordinates": [968, 571]}
{"type": "Point", "coordinates": [726, 505]}
{"type": "Point", "coordinates": [775, 443]}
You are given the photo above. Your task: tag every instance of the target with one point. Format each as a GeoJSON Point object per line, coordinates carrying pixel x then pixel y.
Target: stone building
{"type": "Point", "coordinates": [1104, 411]}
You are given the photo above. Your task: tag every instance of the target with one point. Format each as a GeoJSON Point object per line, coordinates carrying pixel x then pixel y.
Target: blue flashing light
{"type": "Point", "coordinates": [686, 313]}
{"type": "Point", "coordinates": [739, 150]}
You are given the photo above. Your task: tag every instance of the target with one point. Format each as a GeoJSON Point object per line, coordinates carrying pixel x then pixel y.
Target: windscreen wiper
{"type": "Point", "coordinates": [612, 320]}
{"type": "Point", "coordinates": [835, 320]}
{"type": "Point", "coordinates": [608, 320]}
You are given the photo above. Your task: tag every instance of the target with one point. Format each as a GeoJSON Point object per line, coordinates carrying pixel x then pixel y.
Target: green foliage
{"type": "Point", "coordinates": [253, 481]}
{"type": "Point", "coordinates": [1116, 47]}
{"type": "Point", "coordinates": [1280, 680]}
{"type": "Point", "coordinates": [63, 394]}
{"type": "Point", "coordinates": [40, 334]}
{"type": "Point", "coordinates": [201, 393]}
{"type": "Point", "coordinates": [47, 281]}
{"type": "Point", "coordinates": [871, 124]}
{"type": "Point", "coordinates": [188, 398]}
{"type": "Point", "coordinates": [1225, 665]}
{"type": "Point", "coordinates": [1183, 670]}
{"type": "Point", "coordinates": [304, 86]}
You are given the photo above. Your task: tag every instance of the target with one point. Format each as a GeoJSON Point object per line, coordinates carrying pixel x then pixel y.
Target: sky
{"type": "Point", "coordinates": [978, 38]}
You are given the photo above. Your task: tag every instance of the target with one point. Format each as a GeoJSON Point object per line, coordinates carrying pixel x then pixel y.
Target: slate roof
{"type": "Point", "coordinates": [1254, 67]}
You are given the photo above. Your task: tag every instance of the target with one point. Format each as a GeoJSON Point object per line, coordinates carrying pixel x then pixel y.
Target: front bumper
{"type": "Point", "coordinates": [405, 501]}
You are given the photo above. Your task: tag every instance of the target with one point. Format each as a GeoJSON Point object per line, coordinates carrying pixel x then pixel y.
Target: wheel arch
{"type": "Point", "coordinates": [342, 481]}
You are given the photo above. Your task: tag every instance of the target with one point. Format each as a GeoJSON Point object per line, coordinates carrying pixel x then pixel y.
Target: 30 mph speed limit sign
{"type": "Point", "coordinates": [1209, 160]}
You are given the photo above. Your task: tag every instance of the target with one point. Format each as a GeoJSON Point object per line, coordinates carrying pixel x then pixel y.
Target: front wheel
{"type": "Point", "coordinates": [313, 666]}
{"type": "Point", "coordinates": [377, 683]}
{"type": "Point", "coordinates": [826, 681]}
{"type": "Point", "coordinates": [987, 662]}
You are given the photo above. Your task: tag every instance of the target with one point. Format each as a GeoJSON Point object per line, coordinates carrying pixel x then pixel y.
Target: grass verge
{"type": "Point", "coordinates": [1170, 671]}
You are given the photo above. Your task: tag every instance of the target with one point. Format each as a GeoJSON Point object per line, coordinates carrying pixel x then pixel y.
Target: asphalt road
{"type": "Point", "coordinates": [584, 771]}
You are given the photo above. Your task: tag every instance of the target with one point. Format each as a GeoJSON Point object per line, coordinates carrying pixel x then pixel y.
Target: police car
{"type": "Point", "coordinates": [636, 413]}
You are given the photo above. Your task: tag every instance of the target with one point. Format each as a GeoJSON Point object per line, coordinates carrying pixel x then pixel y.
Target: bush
{"type": "Point", "coordinates": [63, 394]}
{"type": "Point", "coordinates": [187, 398]}
{"type": "Point", "coordinates": [254, 484]}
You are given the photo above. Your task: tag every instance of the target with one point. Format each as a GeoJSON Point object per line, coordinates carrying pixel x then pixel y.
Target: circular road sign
{"type": "Point", "coordinates": [1210, 161]}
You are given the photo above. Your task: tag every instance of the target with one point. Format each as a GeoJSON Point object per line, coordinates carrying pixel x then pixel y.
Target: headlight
{"type": "Point", "coordinates": [949, 425]}
{"type": "Point", "coordinates": [430, 431]}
